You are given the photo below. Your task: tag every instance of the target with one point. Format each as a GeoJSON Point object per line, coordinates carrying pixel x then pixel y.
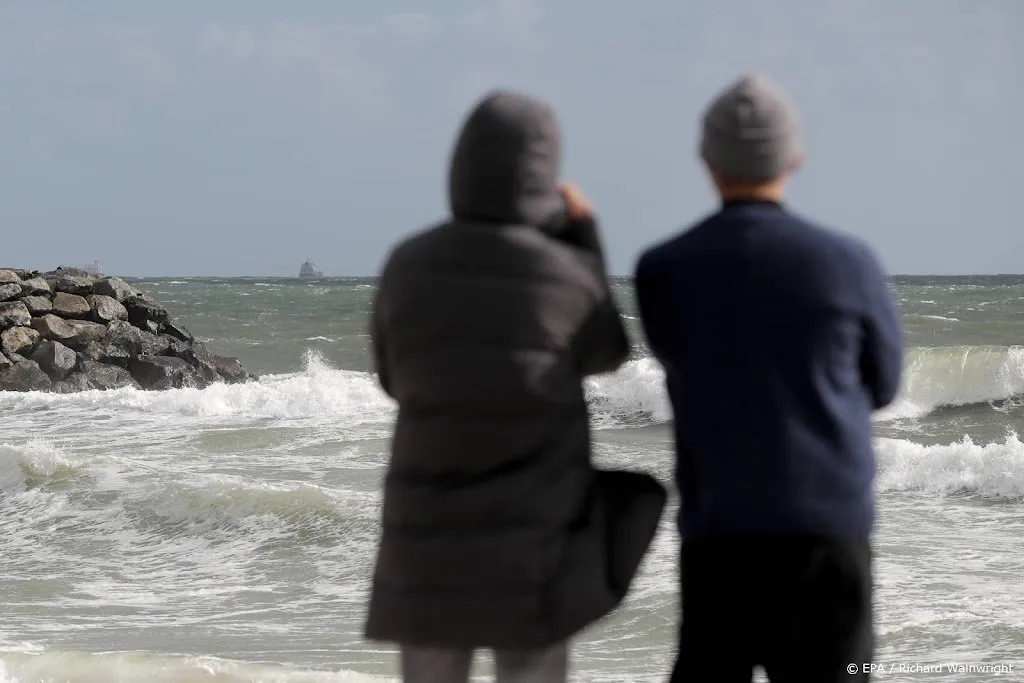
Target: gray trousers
{"type": "Point", "coordinates": [440, 665]}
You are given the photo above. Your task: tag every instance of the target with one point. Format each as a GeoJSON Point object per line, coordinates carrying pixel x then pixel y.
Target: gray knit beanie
{"type": "Point", "coordinates": [751, 132]}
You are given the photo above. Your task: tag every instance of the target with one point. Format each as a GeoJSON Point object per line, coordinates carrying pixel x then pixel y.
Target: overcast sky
{"type": "Point", "coordinates": [236, 137]}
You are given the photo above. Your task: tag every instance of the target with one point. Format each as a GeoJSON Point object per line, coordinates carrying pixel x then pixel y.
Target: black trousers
{"type": "Point", "coordinates": [799, 607]}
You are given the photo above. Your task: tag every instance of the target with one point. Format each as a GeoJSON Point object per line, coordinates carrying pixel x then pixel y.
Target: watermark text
{"type": "Point", "coordinates": [882, 668]}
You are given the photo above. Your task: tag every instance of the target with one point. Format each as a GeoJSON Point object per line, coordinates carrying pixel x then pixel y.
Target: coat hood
{"type": "Point", "coordinates": [505, 164]}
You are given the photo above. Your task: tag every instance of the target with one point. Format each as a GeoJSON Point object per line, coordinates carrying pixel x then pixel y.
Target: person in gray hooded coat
{"type": "Point", "coordinates": [498, 533]}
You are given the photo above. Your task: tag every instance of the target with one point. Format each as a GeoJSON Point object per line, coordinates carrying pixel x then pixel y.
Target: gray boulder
{"type": "Point", "coordinates": [9, 291]}
{"type": "Point", "coordinates": [175, 347]}
{"type": "Point", "coordinates": [148, 298]}
{"type": "Point", "coordinates": [124, 335]}
{"type": "Point", "coordinates": [108, 354]}
{"type": "Point", "coordinates": [106, 377]}
{"type": "Point", "coordinates": [36, 286]}
{"type": "Point", "coordinates": [202, 363]}
{"type": "Point", "coordinates": [71, 306]}
{"type": "Point", "coordinates": [73, 271]}
{"type": "Point", "coordinates": [72, 384]}
{"type": "Point", "coordinates": [84, 332]}
{"type": "Point", "coordinates": [214, 368]}
{"type": "Point", "coordinates": [205, 374]}
{"type": "Point", "coordinates": [153, 344]}
{"type": "Point", "coordinates": [177, 331]}
{"type": "Point", "coordinates": [116, 288]}
{"type": "Point", "coordinates": [74, 284]}
{"type": "Point", "coordinates": [37, 305]}
{"type": "Point", "coordinates": [19, 340]}
{"type": "Point", "coordinates": [14, 313]}
{"type": "Point", "coordinates": [106, 309]}
{"type": "Point", "coordinates": [161, 372]}
{"type": "Point", "coordinates": [136, 342]}
{"type": "Point", "coordinates": [52, 327]}
{"type": "Point", "coordinates": [55, 359]}
{"type": "Point", "coordinates": [24, 375]}
{"type": "Point", "coordinates": [230, 369]}
{"type": "Point", "coordinates": [143, 309]}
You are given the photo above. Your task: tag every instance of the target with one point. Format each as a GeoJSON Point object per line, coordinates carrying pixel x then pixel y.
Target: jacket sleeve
{"type": "Point", "coordinates": [601, 344]}
{"type": "Point", "coordinates": [583, 234]}
{"type": "Point", "coordinates": [651, 315]}
{"type": "Point", "coordinates": [377, 344]}
{"type": "Point", "coordinates": [881, 362]}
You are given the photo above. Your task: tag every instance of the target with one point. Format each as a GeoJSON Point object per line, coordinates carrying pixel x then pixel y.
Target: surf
{"type": "Point", "coordinates": [633, 396]}
{"type": "Point", "coordinates": [26, 667]}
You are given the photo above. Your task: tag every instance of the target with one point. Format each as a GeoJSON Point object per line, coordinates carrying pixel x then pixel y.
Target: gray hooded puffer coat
{"type": "Point", "coordinates": [497, 531]}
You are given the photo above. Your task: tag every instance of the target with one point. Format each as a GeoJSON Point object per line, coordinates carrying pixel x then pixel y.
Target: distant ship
{"type": "Point", "coordinates": [93, 268]}
{"type": "Point", "coordinates": [308, 271]}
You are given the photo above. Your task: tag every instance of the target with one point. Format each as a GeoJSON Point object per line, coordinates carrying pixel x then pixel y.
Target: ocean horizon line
{"type": "Point", "coordinates": [620, 276]}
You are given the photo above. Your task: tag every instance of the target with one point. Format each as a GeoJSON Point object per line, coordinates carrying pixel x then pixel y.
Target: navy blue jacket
{"type": "Point", "coordinates": [778, 339]}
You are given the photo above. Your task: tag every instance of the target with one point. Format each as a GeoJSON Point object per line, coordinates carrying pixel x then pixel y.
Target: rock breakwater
{"type": "Point", "coordinates": [69, 330]}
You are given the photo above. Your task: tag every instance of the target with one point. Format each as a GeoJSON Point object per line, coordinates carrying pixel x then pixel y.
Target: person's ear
{"type": "Point", "coordinates": [713, 175]}
{"type": "Point", "coordinates": [797, 163]}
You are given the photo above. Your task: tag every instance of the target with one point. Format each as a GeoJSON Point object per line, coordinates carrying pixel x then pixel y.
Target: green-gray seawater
{"type": "Point", "coordinates": [228, 534]}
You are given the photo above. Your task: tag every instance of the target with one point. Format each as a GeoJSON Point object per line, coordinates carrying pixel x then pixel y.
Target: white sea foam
{"type": "Point", "coordinates": [632, 396]}
{"type": "Point", "coordinates": [350, 405]}
{"type": "Point", "coordinates": [933, 378]}
{"type": "Point", "coordinates": [76, 667]}
{"type": "Point", "coordinates": [35, 459]}
{"type": "Point", "coordinates": [319, 391]}
{"type": "Point", "coordinates": [993, 470]}
{"type": "Point", "coordinates": [943, 318]}
{"type": "Point", "coordinates": [956, 376]}
{"type": "Point", "coordinates": [129, 503]}
{"type": "Point", "coordinates": [40, 482]}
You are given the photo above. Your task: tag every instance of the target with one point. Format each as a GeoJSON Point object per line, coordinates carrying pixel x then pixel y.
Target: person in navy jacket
{"type": "Point", "coordinates": [779, 338]}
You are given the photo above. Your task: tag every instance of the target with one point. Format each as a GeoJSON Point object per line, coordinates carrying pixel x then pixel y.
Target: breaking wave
{"type": "Point", "coordinates": [933, 378]}
{"type": "Point", "coordinates": [138, 668]}
{"type": "Point", "coordinates": [992, 470]}
{"type": "Point", "coordinates": [318, 390]}
{"type": "Point", "coordinates": [41, 482]}
{"type": "Point", "coordinates": [944, 376]}
{"type": "Point", "coordinates": [633, 396]}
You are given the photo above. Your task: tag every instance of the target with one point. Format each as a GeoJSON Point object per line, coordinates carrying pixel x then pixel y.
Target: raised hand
{"type": "Point", "coordinates": [577, 207]}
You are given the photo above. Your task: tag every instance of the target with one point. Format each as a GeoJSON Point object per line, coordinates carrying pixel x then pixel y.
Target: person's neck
{"type": "Point", "coordinates": [752, 194]}
{"type": "Point", "coordinates": [771, 191]}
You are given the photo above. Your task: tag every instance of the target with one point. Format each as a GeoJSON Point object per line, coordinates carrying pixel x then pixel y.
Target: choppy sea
{"type": "Point", "coordinates": [228, 534]}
